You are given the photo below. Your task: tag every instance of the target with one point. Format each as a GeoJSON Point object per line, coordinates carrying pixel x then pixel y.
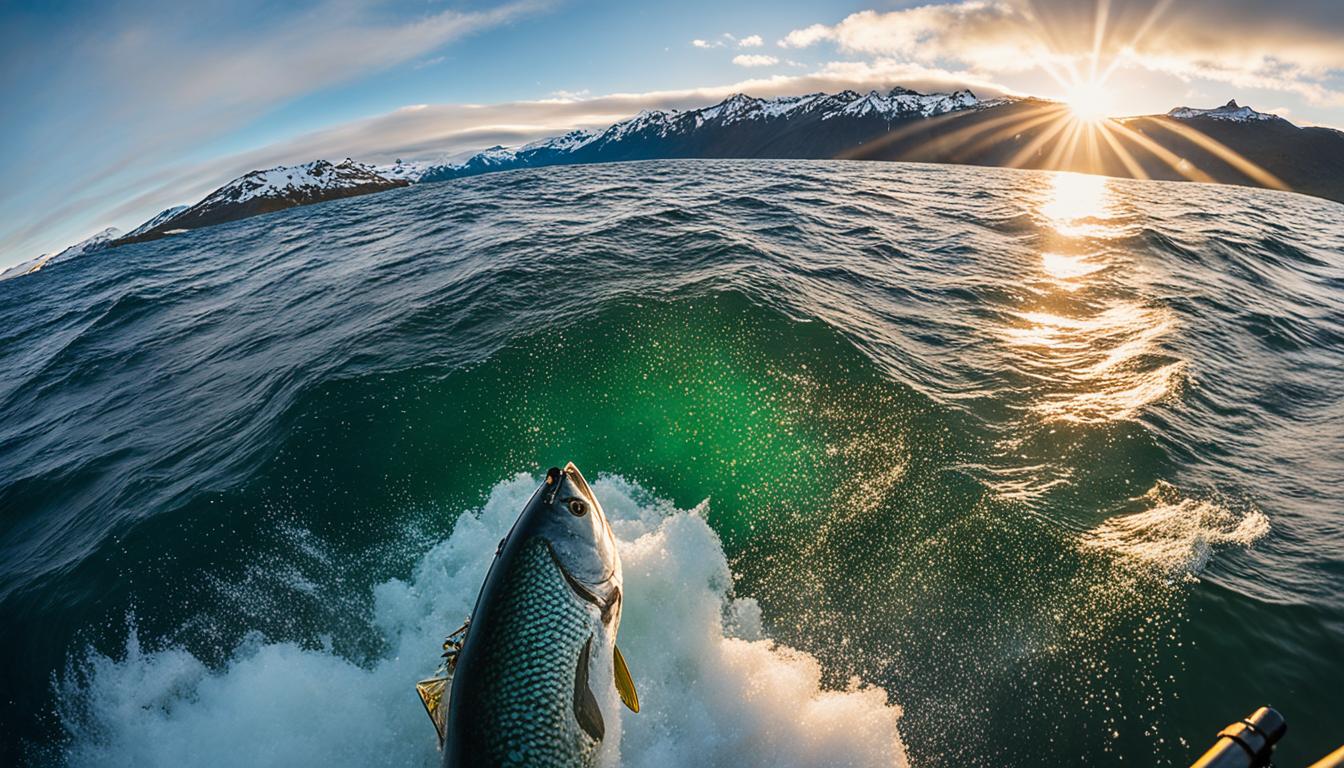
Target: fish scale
{"type": "Point", "coordinates": [524, 705]}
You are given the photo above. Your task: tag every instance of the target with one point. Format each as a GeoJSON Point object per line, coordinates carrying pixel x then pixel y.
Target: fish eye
{"type": "Point", "coordinates": [577, 508]}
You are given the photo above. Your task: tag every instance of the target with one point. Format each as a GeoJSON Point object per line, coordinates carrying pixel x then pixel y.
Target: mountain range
{"type": "Point", "coordinates": [1230, 144]}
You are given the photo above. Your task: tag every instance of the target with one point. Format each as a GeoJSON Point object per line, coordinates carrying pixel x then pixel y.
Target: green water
{"type": "Point", "coordinates": [839, 361]}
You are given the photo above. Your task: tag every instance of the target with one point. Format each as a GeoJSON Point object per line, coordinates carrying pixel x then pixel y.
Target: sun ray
{"type": "Point", "coordinates": [1064, 148]}
{"type": "Point", "coordinates": [1049, 39]}
{"type": "Point", "coordinates": [1095, 164]}
{"type": "Point", "coordinates": [1035, 144]}
{"type": "Point", "coordinates": [1077, 134]}
{"type": "Point", "coordinates": [1226, 154]}
{"type": "Point", "coordinates": [1125, 156]}
{"type": "Point", "coordinates": [933, 124]}
{"type": "Point", "coordinates": [1098, 37]}
{"type": "Point", "coordinates": [959, 138]}
{"type": "Point", "coordinates": [1011, 128]}
{"type": "Point", "coordinates": [1156, 12]}
{"type": "Point", "coordinates": [1178, 164]}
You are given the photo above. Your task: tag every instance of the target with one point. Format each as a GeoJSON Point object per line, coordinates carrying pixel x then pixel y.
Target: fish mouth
{"type": "Point", "coordinates": [607, 605]}
{"type": "Point", "coordinates": [553, 483]}
{"type": "Point", "coordinates": [576, 477]}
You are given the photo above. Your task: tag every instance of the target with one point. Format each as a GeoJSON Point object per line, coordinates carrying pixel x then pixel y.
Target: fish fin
{"type": "Point", "coordinates": [586, 710]}
{"type": "Point", "coordinates": [624, 685]}
{"type": "Point", "coordinates": [431, 695]}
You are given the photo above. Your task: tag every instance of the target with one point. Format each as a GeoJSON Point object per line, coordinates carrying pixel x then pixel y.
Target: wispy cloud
{"type": "Point", "coordinates": [430, 62]}
{"type": "Point", "coordinates": [729, 39]}
{"type": "Point", "coordinates": [571, 95]}
{"type": "Point", "coordinates": [754, 60]}
{"type": "Point", "coordinates": [147, 88]}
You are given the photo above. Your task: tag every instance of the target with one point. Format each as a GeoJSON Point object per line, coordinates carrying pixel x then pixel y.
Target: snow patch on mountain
{"type": "Point", "coordinates": [284, 181]}
{"type": "Point", "coordinates": [158, 219]}
{"type": "Point", "coordinates": [405, 170]}
{"type": "Point", "coordinates": [97, 242]}
{"type": "Point", "coordinates": [657, 120]}
{"type": "Point", "coordinates": [25, 268]}
{"type": "Point", "coordinates": [566, 143]}
{"type": "Point", "coordinates": [902, 103]}
{"type": "Point", "coordinates": [1230, 111]}
{"type": "Point", "coordinates": [496, 155]}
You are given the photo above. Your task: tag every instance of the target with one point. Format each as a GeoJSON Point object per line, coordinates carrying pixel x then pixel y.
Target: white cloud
{"type": "Point", "coordinates": [698, 43]}
{"type": "Point", "coordinates": [750, 41]}
{"type": "Point", "coordinates": [754, 60]}
{"type": "Point", "coordinates": [802, 38]}
{"type": "Point", "coordinates": [984, 34]}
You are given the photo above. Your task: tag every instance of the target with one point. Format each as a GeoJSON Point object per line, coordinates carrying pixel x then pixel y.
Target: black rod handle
{"type": "Point", "coordinates": [1247, 743]}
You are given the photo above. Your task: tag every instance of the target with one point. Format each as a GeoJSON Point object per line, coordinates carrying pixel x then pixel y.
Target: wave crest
{"type": "Point", "coordinates": [712, 683]}
{"type": "Point", "coordinates": [1175, 534]}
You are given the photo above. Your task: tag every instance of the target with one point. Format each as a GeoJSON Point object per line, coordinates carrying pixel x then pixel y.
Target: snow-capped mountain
{"type": "Point", "coordinates": [1230, 111]}
{"type": "Point", "coordinates": [97, 242]}
{"type": "Point", "coordinates": [273, 189]}
{"type": "Point", "coordinates": [739, 126]}
{"type": "Point", "coordinates": [157, 219]}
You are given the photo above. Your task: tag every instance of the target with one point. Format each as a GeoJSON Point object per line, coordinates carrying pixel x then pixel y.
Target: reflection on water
{"type": "Point", "coordinates": [1066, 268]}
{"type": "Point", "coordinates": [1079, 205]}
{"type": "Point", "coordinates": [1096, 349]}
{"type": "Point", "coordinates": [1093, 346]}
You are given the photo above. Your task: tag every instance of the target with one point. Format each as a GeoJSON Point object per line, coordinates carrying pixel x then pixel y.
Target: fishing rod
{"type": "Point", "coordinates": [1249, 743]}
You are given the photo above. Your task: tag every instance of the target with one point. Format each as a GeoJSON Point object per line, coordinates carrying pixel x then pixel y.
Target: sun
{"type": "Point", "coordinates": [1089, 101]}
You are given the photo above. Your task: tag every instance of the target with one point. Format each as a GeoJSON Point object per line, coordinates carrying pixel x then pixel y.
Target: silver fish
{"type": "Point", "coordinates": [528, 675]}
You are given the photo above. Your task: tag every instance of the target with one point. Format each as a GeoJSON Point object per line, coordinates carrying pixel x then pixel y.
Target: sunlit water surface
{"type": "Point", "coordinates": [968, 466]}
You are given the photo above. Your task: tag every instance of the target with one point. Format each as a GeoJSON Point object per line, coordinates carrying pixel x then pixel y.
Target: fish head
{"type": "Point", "coordinates": [567, 514]}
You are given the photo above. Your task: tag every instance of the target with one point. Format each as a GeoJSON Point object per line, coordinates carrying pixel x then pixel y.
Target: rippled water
{"type": "Point", "coordinates": [1005, 468]}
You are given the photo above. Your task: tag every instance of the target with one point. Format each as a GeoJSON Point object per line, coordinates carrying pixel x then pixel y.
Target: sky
{"type": "Point", "coordinates": [115, 111]}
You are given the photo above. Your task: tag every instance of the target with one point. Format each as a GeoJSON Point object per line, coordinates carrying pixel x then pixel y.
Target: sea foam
{"type": "Point", "coordinates": [1175, 534]}
{"type": "Point", "coordinates": [715, 689]}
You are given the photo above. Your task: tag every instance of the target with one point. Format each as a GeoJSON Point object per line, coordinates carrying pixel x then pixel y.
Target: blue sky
{"type": "Point", "coordinates": [117, 110]}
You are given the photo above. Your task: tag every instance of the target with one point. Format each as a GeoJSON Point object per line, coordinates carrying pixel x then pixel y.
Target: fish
{"type": "Point", "coordinates": [527, 680]}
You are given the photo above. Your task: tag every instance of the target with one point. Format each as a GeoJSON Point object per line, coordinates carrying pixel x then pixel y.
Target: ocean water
{"type": "Point", "coordinates": [923, 464]}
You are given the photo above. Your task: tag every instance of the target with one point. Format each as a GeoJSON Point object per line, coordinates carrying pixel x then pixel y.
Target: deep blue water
{"type": "Point", "coordinates": [1055, 462]}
